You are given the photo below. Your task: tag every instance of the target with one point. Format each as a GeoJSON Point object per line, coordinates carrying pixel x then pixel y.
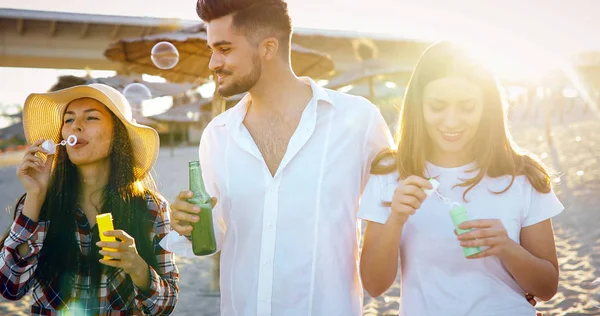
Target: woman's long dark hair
{"type": "Point", "coordinates": [124, 196]}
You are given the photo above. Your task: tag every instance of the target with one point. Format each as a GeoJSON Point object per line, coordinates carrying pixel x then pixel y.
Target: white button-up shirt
{"type": "Point", "coordinates": [289, 242]}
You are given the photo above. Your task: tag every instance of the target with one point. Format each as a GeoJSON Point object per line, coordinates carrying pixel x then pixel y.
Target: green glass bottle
{"type": "Point", "coordinates": [203, 233]}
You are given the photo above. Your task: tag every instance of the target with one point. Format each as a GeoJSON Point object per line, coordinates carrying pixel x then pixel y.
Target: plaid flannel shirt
{"type": "Point", "coordinates": [17, 272]}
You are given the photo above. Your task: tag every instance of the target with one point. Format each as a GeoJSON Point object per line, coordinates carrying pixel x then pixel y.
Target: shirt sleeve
{"type": "Point", "coordinates": [379, 189]}
{"type": "Point", "coordinates": [208, 165]}
{"type": "Point", "coordinates": [542, 206]}
{"type": "Point", "coordinates": [17, 271]}
{"type": "Point", "coordinates": [378, 139]}
{"type": "Point", "coordinates": [376, 188]}
{"type": "Point", "coordinates": [161, 297]}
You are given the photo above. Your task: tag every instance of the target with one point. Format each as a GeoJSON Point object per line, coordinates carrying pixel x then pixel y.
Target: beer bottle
{"type": "Point", "coordinates": [203, 234]}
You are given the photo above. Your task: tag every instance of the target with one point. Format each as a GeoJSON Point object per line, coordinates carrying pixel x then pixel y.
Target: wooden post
{"type": "Point", "coordinates": [172, 138]}
{"type": "Point", "coordinates": [215, 286]}
{"type": "Point", "coordinates": [371, 89]}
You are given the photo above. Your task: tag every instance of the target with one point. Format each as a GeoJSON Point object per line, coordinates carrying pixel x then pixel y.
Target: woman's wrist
{"type": "Point", "coordinates": [397, 219]}
{"type": "Point", "coordinates": [141, 277]}
{"type": "Point", "coordinates": [32, 206]}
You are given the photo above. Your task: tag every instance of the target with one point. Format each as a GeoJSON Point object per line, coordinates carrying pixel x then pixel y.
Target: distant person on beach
{"type": "Point", "coordinates": [287, 165]}
{"type": "Point", "coordinates": [453, 129]}
{"type": "Point", "coordinates": [53, 248]}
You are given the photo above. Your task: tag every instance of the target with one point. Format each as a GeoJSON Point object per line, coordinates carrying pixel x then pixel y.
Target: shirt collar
{"type": "Point", "coordinates": [240, 109]}
{"type": "Point", "coordinates": [319, 93]}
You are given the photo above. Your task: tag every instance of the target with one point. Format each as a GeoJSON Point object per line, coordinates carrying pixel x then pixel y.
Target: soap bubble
{"type": "Point", "coordinates": [556, 180]}
{"type": "Point", "coordinates": [164, 55]}
{"type": "Point", "coordinates": [577, 139]}
{"type": "Point", "coordinates": [544, 155]}
{"type": "Point", "coordinates": [580, 173]}
{"type": "Point", "coordinates": [136, 93]}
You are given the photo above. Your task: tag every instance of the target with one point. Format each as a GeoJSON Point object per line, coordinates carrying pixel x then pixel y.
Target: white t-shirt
{"type": "Point", "coordinates": [436, 277]}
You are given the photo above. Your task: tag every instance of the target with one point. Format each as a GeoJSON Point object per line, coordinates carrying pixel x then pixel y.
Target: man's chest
{"type": "Point", "coordinates": [272, 137]}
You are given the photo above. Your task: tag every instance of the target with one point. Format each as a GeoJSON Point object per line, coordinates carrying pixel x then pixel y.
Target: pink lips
{"type": "Point", "coordinates": [452, 136]}
{"type": "Point", "coordinates": [80, 143]}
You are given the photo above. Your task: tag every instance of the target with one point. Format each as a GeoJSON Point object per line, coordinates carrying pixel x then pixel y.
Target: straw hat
{"type": "Point", "coordinates": [43, 117]}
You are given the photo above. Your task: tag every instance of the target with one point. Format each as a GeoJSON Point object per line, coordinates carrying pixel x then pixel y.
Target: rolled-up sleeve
{"type": "Point", "coordinates": [17, 271]}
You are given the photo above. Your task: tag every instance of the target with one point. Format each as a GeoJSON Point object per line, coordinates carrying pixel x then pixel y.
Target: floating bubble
{"type": "Point", "coordinates": [544, 155]}
{"type": "Point", "coordinates": [164, 55]}
{"type": "Point", "coordinates": [557, 180]}
{"type": "Point", "coordinates": [386, 299]}
{"type": "Point", "coordinates": [580, 173]}
{"type": "Point", "coordinates": [577, 139]}
{"type": "Point", "coordinates": [136, 93]}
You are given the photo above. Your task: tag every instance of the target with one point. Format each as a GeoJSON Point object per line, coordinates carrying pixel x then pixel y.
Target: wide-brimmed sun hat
{"type": "Point", "coordinates": [43, 117]}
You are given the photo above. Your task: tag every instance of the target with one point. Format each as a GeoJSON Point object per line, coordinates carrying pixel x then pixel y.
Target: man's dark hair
{"type": "Point", "coordinates": [257, 19]}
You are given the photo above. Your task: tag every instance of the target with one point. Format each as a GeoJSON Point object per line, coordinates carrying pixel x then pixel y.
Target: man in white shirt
{"type": "Point", "coordinates": [287, 165]}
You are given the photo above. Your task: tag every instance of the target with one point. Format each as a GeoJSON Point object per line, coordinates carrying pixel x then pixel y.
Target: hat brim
{"type": "Point", "coordinates": [43, 116]}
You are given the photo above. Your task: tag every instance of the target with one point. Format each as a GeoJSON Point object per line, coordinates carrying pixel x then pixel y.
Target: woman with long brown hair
{"type": "Point", "coordinates": [452, 128]}
{"type": "Point", "coordinates": [53, 247]}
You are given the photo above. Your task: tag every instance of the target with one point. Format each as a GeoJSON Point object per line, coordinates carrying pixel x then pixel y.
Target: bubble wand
{"type": "Point", "coordinates": [458, 213]}
{"type": "Point", "coordinates": [50, 146]}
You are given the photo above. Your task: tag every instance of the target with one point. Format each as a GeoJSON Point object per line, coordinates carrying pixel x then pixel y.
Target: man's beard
{"type": "Point", "coordinates": [245, 83]}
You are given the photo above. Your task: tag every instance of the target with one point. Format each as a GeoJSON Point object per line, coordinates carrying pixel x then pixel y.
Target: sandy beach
{"type": "Point", "coordinates": [573, 154]}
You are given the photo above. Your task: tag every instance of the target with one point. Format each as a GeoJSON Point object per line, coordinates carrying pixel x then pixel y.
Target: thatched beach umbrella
{"type": "Point", "coordinates": [194, 56]}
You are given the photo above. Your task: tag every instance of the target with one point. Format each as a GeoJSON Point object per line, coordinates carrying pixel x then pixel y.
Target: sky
{"type": "Point", "coordinates": [503, 30]}
{"type": "Point", "coordinates": [569, 22]}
